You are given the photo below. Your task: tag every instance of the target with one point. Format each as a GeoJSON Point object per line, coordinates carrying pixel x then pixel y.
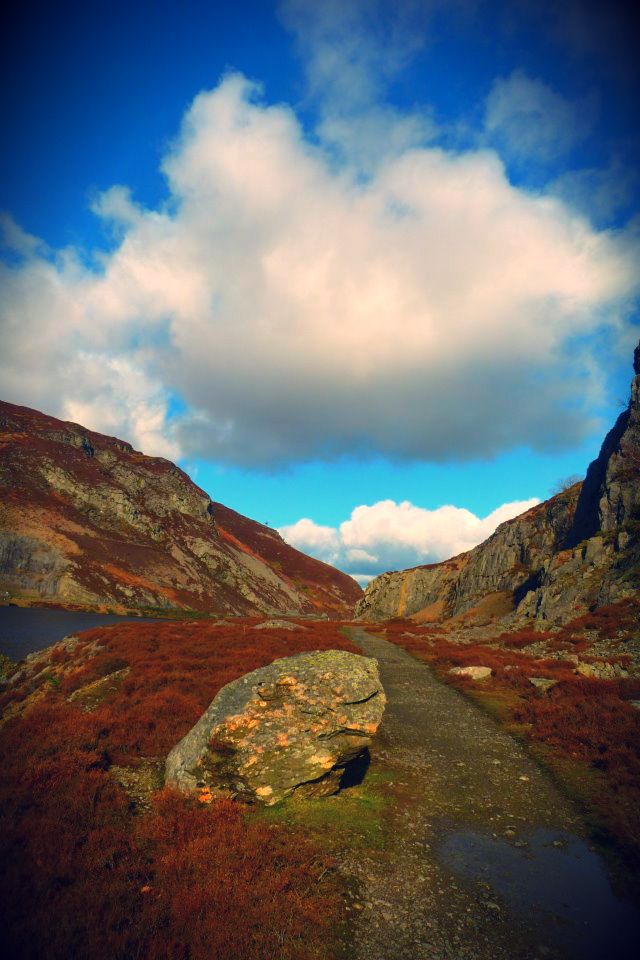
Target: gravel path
{"type": "Point", "coordinates": [483, 855]}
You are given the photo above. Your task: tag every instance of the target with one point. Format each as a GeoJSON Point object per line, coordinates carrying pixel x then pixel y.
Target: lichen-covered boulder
{"type": "Point", "coordinates": [290, 726]}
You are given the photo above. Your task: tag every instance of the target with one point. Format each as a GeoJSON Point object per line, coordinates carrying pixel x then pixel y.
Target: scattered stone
{"type": "Point", "coordinates": [289, 727]}
{"type": "Point", "coordinates": [601, 670]}
{"type": "Point", "coordinates": [279, 625]}
{"type": "Point", "coordinates": [92, 694]}
{"type": "Point", "coordinates": [476, 673]}
{"type": "Point", "coordinates": [542, 683]}
{"type": "Point", "coordinates": [634, 703]}
{"type": "Point", "coordinates": [140, 781]}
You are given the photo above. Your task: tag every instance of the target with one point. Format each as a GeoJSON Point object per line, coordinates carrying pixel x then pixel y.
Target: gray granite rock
{"type": "Point", "coordinates": [289, 727]}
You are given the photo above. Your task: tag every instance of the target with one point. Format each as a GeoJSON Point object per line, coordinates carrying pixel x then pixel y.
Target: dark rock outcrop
{"type": "Point", "coordinates": [85, 519]}
{"type": "Point", "coordinates": [574, 552]}
{"type": "Point", "coordinates": [289, 727]}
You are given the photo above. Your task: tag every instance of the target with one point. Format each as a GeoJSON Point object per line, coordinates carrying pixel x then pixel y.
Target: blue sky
{"type": "Point", "coordinates": [345, 257]}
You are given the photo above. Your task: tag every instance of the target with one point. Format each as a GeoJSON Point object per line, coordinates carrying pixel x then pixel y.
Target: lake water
{"type": "Point", "coordinates": [23, 630]}
{"type": "Point", "coordinates": [558, 883]}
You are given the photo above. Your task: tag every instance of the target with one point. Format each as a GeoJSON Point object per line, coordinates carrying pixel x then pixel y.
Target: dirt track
{"type": "Point", "coordinates": [483, 856]}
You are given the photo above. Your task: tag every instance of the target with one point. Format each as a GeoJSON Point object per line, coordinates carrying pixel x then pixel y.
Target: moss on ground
{"type": "Point", "coordinates": [354, 817]}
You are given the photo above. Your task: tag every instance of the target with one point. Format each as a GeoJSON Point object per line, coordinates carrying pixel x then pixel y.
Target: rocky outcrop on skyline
{"type": "Point", "coordinates": [85, 519]}
{"type": "Point", "coordinates": [289, 727]}
{"type": "Point", "coordinates": [574, 552]}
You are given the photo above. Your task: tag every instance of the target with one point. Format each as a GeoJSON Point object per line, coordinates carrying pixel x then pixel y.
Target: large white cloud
{"type": "Point", "coordinates": [300, 309]}
{"type": "Point", "coordinates": [390, 536]}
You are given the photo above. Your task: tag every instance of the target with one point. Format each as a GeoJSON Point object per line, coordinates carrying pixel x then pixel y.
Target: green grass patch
{"type": "Point", "coordinates": [355, 817]}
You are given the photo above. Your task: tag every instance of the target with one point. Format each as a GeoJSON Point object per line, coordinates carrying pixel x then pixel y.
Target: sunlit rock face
{"type": "Point", "coordinates": [86, 519]}
{"type": "Point", "coordinates": [577, 550]}
{"type": "Point", "coordinates": [491, 576]}
{"type": "Point", "coordinates": [290, 727]}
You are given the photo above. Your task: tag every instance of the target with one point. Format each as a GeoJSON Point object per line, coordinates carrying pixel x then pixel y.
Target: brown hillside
{"type": "Point", "coordinates": [86, 519]}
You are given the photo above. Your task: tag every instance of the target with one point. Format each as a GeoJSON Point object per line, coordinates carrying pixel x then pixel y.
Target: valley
{"type": "Point", "coordinates": [496, 815]}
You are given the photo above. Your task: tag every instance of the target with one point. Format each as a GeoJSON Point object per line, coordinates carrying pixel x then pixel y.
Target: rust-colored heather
{"type": "Point", "coordinates": [84, 876]}
{"type": "Point", "coordinates": [176, 669]}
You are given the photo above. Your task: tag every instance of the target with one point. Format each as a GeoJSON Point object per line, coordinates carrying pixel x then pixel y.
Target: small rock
{"type": "Point", "coordinates": [476, 673]}
{"type": "Point", "coordinates": [542, 683]}
{"type": "Point", "coordinates": [279, 625]}
{"type": "Point", "coordinates": [601, 670]}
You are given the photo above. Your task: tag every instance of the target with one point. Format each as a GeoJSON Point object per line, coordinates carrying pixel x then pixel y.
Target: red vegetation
{"type": "Point", "coordinates": [585, 728]}
{"type": "Point", "coordinates": [614, 619]}
{"type": "Point", "coordinates": [87, 874]}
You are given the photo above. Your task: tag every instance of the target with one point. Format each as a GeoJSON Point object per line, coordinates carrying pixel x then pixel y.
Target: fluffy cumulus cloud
{"type": "Point", "coordinates": [391, 536]}
{"type": "Point", "coordinates": [281, 305]}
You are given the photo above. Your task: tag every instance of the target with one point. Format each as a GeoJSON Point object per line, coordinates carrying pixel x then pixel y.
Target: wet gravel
{"type": "Point", "coordinates": [451, 769]}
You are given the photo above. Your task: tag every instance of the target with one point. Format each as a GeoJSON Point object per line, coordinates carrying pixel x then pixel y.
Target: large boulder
{"type": "Point", "coordinates": [290, 726]}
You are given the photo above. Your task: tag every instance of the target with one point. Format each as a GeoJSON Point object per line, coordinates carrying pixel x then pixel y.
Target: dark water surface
{"type": "Point", "coordinates": [558, 883]}
{"type": "Point", "coordinates": [23, 630]}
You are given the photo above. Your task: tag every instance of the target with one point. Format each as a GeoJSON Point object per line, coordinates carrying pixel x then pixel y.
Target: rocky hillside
{"type": "Point", "coordinates": [574, 552]}
{"type": "Point", "coordinates": [86, 519]}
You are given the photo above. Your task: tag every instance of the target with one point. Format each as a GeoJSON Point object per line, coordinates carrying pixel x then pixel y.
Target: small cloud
{"type": "Point", "coordinates": [532, 122]}
{"type": "Point", "coordinates": [115, 205]}
{"type": "Point", "coordinates": [16, 240]}
{"type": "Point", "coordinates": [600, 193]}
{"type": "Point", "coordinates": [390, 536]}
{"type": "Point", "coordinates": [323, 540]}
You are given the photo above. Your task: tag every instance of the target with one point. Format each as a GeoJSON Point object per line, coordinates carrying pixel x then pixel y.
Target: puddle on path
{"type": "Point", "coordinates": [561, 891]}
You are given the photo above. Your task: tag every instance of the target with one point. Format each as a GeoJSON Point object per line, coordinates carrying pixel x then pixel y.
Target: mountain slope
{"type": "Point", "coordinates": [86, 519]}
{"type": "Point", "coordinates": [576, 551]}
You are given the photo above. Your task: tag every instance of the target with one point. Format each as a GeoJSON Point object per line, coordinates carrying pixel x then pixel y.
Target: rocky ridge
{"type": "Point", "coordinates": [85, 519]}
{"type": "Point", "coordinates": [574, 552]}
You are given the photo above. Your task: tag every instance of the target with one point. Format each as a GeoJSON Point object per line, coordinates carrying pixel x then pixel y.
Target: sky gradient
{"type": "Point", "coordinates": [368, 271]}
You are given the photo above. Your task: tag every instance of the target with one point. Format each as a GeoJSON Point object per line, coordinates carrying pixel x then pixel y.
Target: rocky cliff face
{"type": "Point", "coordinates": [576, 551]}
{"type": "Point", "coordinates": [86, 519]}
